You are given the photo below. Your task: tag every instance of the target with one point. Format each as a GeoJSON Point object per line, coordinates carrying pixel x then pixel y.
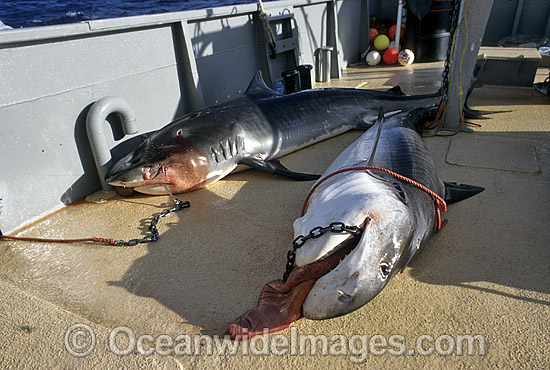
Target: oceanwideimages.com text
{"type": "Point", "coordinates": [80, 341]}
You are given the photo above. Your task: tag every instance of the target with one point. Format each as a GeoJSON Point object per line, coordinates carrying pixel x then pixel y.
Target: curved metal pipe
{"type": "Point", "coordinates": [95, 124]}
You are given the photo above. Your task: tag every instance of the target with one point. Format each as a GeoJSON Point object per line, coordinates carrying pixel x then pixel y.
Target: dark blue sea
{"type": "Point", "coordinates": [33, 13]}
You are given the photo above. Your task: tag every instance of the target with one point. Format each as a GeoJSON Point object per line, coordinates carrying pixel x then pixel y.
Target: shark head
{"type": "Point", "coordinates": [166, 158]}
{"type": "Point", "coordinates": [373, 257]}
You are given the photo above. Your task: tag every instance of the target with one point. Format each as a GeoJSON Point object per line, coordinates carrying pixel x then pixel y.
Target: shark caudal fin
{"type": "Point", "coordinates": [456, 192]}
{"type": "Point", "coordinates": [479, 114]}
{"type": "Point", "coordinates": [474, 113]}
{"type": "Point", "coordinates": [468, 112]}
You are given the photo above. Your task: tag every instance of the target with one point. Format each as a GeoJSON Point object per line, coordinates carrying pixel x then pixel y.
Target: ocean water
{"type": "Point", "coordinates": [33, 13]}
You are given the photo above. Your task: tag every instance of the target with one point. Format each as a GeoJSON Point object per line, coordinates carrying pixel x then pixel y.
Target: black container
{"type": "Point", "coordinates": [429, 37]}
{"type": "Point", "coordinates": [305, 76]}
{"type": "Point", "coordinates": [438, 19]}
{"type": "Point", "coordinates": [432, 48]}
{"type": "Point", "coordinates": [291, 81]}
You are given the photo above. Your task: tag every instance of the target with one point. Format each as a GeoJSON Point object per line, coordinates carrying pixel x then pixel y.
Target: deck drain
{"type": "Point", "coordinates": [493, 153]}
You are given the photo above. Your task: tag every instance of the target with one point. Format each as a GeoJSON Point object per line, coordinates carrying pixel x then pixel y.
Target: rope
{"type": "Point", "coordinates": [152, 237]}
{"type": "Point", "coordinates": [269, 32]}
{"type": "Point", "coordinates": [439, 203]}
{"type": "Point", "coordinates": [44, 240]}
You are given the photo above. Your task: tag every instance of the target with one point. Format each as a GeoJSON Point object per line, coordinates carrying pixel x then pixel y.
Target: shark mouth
{"type": "Point", "coordinates": [280, 304]}
{"type": "Point", "coordinates": [148, 174]}
{"type": "Point", "coordinates": [124, 191]}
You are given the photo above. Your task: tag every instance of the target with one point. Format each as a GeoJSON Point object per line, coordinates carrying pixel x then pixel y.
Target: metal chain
{"type": "Point", "coordinates": [153, 237]}
{"type": "Point", "coordinates": [154, 233]}
{"type": "Point", "coordinates": [447, 65]}
{"type": "Point", "coordinates": [316, 232]}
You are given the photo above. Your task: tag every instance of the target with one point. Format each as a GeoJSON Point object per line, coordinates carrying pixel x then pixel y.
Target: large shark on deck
{"type": "Point", "coordinates": [361, 227]}
{"type": "Point", "coordinates": [202, 147]}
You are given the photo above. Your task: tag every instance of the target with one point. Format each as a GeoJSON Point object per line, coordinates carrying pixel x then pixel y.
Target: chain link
{"type": "Point", "coordinates": [154, 233]}
{"type": "Point", "coordinates": [447, 65]}
{"type": "Point", "coordinates": [316, 232]}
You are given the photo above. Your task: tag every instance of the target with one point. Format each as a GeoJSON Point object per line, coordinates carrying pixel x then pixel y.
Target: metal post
{"type": "Point", "coordinates": [467, 42]}
{"type": "Point", "coordinates": [364, 39]}
{"type": "Point", "coordinates": [398, 25]}
{"type": "Point", "coordinates": [519, 10]}
{"type": "Point", "coordinates": [189, 72]}
{"type": "Point", "coordinates": [547, 31]}
{"type": "Point", "coordinates": [332, 38]}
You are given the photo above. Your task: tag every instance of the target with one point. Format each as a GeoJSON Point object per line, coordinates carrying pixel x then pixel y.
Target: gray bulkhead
{"type": "Point", "coordinates": [162, 66]}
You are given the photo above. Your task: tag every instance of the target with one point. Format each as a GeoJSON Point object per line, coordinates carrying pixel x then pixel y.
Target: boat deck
{"type": "Point", "coordinates": [486, 273]}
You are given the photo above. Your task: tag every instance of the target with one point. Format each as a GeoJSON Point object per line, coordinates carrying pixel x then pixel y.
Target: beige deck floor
{"type": "Point", "coordinates": [487, 273]}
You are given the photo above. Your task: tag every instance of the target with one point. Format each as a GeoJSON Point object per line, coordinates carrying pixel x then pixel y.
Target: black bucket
{"type": "Point", "coordinates": [432, 48]}
{"type": "Point", "coordinates": [291, 81]}
{"type": "Point", "coordinates": [305, 76]}
{"type": "Point", "coordinates": [429, 37]}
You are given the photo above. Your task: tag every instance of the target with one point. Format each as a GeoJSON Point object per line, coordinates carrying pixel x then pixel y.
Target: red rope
{"type": "Point", "coordinates": [438, 201]}
{"type": "Point", "coordinates": [92, 240]}
{"type": "Point", "coordinates": [437, 120]}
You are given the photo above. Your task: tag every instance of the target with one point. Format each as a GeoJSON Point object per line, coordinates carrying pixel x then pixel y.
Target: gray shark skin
{"type": "Point", "coordinates": [397, 218]}
{"type": "Point", "coordinates": [337, 273]}
{"type": "Point", "coordinates": [202, 147]}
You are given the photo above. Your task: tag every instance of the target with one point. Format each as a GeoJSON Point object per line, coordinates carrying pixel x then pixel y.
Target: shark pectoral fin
{"type": "Point", "coordinates": [456, 192]}
{"type": "Point", "coordinates": [276, 167]}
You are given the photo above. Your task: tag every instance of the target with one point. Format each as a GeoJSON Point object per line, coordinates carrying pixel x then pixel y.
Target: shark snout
{"type": "Point", "coordinates": [340, 291]}
{"type": "Point", "coordinates": [130, 178]}
{"type": "Point", "coordinates": [133, 170]}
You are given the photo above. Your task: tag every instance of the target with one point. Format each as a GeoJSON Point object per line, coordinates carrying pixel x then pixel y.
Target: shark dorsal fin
{"type": "Point", "coordinates": [379, 121]}
{"type": "Point", "coordinates": [257, 89]}
{"type": "Point", "coordinates": [396, 90]}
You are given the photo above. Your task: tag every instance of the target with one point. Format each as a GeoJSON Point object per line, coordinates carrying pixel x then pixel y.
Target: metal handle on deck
{"type": "Point", "coordinates": [95, 124]}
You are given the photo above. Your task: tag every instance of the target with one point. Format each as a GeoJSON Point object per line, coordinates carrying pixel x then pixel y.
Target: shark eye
{"type": "Point", "coordinates": [179, 133]}
{"type": "Point", "coordinates": [384, 269]}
